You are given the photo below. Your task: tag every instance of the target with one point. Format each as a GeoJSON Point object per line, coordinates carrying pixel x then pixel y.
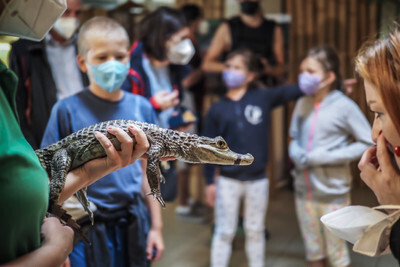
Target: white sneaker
{"type": "Point", "coordinates": [182, 210]}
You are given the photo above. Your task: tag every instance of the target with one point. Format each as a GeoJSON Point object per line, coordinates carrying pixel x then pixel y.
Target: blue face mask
{"type": "Point", "coordinates": [233, 79]}
{"type": "Point", "coordinates": [308, 83]}
{"type": "Point", "coordinates": [110, 75]}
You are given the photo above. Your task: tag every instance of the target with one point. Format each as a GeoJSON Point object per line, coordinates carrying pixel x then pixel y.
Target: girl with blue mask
{"type": "Point", "coordinates": [328, 131]}
{"type": "Point", "coordinates": [242, 114]}
{"type": "Point", "coordinates": [317, 79]}
{"type": "Point", "coordinates": [237, 74]}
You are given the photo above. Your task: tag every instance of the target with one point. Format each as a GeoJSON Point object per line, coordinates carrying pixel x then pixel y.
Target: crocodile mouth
{"type": "Point", "coordinates": [244, 159]}
{"type": "Point", "coordinates": [226, 158]}
{"type": "Point", "coordinates": [209, 153]}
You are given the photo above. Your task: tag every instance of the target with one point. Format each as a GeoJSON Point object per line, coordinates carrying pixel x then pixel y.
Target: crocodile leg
{"type": "Point", "coordinates": [154, 176]}
{"type": "Point", "coordinates": [81, 195]}
{"type": "Point", "coordinates": [61, 163]}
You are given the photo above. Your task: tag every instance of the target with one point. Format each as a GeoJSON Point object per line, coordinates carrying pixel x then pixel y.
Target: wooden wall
{"type": "Point", "coordinates": [212, 9]}
{"type": "Point", "coordinates": [344, 24]}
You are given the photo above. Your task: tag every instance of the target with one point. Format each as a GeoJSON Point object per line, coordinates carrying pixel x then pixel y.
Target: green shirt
{"type": "Point", "coordinates": [23, 182]}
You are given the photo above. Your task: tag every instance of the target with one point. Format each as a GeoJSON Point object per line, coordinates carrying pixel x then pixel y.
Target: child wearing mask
{"type": "Point", "coordinates": [123, 233]}
{"type": "Point", "coordinates": [328, 132]}
{"type": "Point", "coordinates": [242, 118]}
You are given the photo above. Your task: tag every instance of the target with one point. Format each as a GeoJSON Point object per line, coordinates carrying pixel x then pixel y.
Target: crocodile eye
{"type": "Point", "coordinates": [221, 144]}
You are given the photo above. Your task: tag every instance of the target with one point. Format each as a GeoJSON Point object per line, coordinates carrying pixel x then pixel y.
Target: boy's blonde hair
{"type": "Point", "coordinates": [103, 25]}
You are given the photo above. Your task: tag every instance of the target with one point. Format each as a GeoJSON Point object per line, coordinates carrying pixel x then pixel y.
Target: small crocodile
{"type": "Point", "coordinates": [82, 146]}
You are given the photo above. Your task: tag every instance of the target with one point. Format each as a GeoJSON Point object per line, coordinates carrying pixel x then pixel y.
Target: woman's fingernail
{"type": "Point", "coordinates": [133, 127]}
{"type": "Point", "coordinates": [380, 132]}
{"type": "Point", "coordinates": [397, 151]}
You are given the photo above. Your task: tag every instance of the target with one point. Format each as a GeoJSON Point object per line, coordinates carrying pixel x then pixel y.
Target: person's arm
{"type": "Point", "coordinates": [296, 153]}
{"type": "Point", "coordinates": [359, 128]}
{"type": "Point", "coordinates": [56, 245]}
{"type": "Point", "coordinates": [279, 53]}
{"type": "Point", "coordinates": [220, 43]}
{"type": "Point", "coordinates": [193, 78]}
{"type": "Point", "coordinates": [98, 168]}
{"type": "Point", "coordinates": [154, 238]}
{"type": "Point", "coordinates": [281, 95]}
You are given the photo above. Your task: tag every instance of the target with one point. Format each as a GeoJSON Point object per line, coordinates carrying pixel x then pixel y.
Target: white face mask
{"type": "Point", "coordinates": [30, 19]}
{"type": "Point", "coordinates": [181, 53]}
{"type": "Point", "coordinates": [66, 26]}
{"type": "Point", "coordinates": [368, 228]}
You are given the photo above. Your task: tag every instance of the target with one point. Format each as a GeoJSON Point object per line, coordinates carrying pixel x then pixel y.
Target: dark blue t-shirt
{"type": "Point", "coordinates": [244, 124]}
{"type": "Point", "coordinates": [116, 190]}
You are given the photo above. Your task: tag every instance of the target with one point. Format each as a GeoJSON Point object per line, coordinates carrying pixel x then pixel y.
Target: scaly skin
{"type": "Point", "coordinates": [82, 146]}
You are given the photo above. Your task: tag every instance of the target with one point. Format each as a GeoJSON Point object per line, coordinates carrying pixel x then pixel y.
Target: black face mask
{"type": "Point", "coordinates": [249, 8]}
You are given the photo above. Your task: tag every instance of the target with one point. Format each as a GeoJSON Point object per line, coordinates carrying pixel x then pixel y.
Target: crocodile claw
{"type": "Point", "coordinates": [162, 179]}
{"type": "Point", "coordinates": [157, 195]}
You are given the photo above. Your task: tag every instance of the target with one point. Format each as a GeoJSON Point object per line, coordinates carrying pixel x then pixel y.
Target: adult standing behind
{"type": "Point", "coordinates": [194, 94]}
{"type": "Point", "coordinates": [27, 237]}
{"type": "Point", "coordinates": [378, 65]}
{"type": "Point", "coordinates": [159, 61]}
{"type": "Point", "coordinates": [252, 31]}
{"type": "Point", "coordinates": [47, 71]}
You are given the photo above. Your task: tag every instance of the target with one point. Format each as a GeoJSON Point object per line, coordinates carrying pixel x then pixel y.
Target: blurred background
{"type": "Point", "coordinates": [344, 24]}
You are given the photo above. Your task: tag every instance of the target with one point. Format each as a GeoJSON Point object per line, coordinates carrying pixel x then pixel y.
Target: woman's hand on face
{"type": "Point", "coordinates": [167, 99]}
{"type": "Point", "coordinates": [378, 172]}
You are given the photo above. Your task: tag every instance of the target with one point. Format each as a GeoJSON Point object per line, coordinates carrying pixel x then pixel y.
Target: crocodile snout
{"type": "Point", "coordinates": [244, 159]}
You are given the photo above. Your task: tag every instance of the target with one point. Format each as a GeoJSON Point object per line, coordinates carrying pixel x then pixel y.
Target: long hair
{"type": "Point", "coordinates": [157, 27]}
{"type": "Point", "coordinates": [378, 63]}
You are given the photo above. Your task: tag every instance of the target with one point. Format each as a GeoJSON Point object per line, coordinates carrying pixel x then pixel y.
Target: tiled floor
{"type": "Point", "coordinates": [188, 244]}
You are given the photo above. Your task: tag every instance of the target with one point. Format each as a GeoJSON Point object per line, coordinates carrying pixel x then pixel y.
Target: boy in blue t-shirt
{"type": "Point", "coordinates": [123, 232]}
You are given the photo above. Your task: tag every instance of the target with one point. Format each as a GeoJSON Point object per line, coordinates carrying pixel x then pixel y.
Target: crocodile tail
{"type": "Point", "coordinates": [60, 213]}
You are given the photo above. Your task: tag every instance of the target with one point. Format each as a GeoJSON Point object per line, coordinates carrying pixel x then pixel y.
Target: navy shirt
{"type": "Point", "coordinates": [244, 124]}
{"type": "Point", "coordinates": [116, 190]}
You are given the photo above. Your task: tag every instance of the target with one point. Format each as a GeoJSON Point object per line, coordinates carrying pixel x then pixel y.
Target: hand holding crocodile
{"type": "Point", "coordinates": [82, 146]}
